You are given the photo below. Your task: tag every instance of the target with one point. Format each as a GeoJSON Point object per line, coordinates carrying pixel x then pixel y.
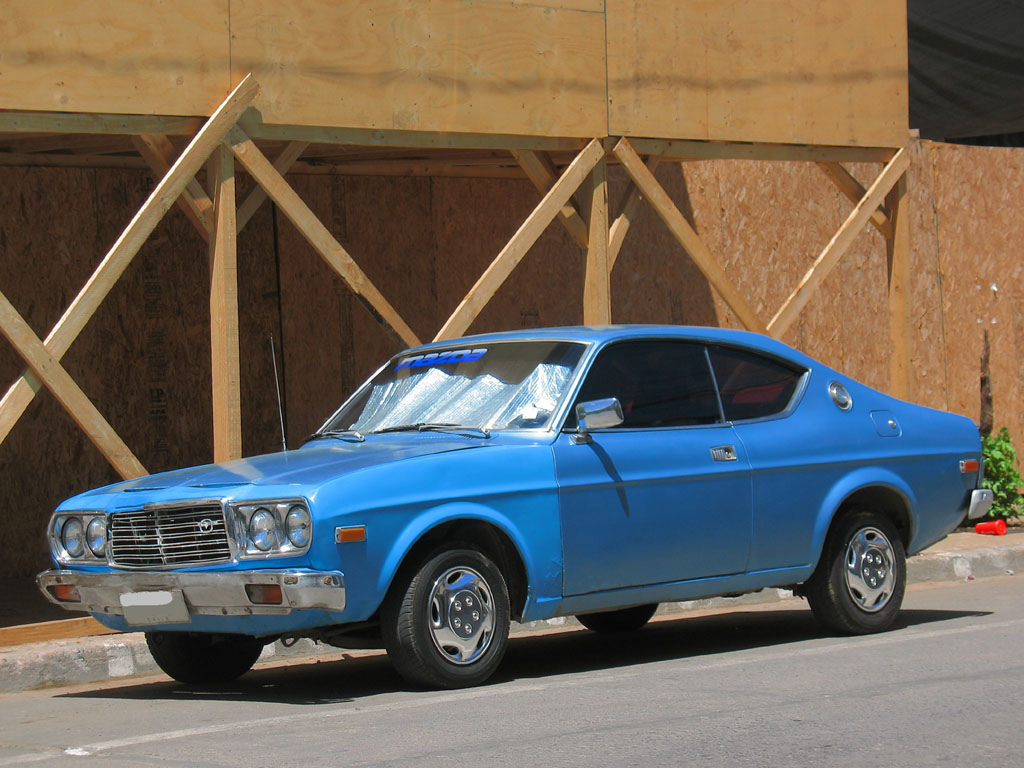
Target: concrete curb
{"type": "Point", "coordinates": [116, 657]}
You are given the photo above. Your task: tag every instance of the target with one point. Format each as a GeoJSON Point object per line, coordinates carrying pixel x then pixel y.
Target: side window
{"type": "Point", "coordinates": [658, 383]}
{"type": "Point", "coordinates": [751, 386]}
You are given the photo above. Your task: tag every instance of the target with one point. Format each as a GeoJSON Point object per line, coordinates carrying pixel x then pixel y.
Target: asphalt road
{"type": "Point", "coordinates": [752, 687]}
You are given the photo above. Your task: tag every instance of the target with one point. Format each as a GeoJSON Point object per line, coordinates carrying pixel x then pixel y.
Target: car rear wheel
{"type": "Point", "coordinates": [624, 620]}
{"type": "Point", "coordinates": [859, 583]}
{"type": "Point", "coordinates": [446, 624]}
{"type": "Point", "coordinates": [198, 658]}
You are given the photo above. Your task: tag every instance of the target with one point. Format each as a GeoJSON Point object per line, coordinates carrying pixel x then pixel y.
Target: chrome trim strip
{"type": "Point", "coordinates": [206, 594]}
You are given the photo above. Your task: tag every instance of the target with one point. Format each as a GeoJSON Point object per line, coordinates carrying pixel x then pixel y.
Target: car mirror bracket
{"type": "Point", "coordinates": [596, 414]}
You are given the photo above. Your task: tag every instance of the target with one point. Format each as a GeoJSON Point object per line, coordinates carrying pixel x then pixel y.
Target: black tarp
{"type": "Point", "coordinates": [966, 62]}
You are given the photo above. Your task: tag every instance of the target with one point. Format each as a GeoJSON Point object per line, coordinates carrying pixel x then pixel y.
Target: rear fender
{"type": "Point", "coordinates": [848, 485]}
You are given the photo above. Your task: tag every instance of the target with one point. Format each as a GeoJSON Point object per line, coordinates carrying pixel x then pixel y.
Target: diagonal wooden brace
{"type": "Point", "coordinates": [71, 323]}
{"type": "Point", "coordinates": [53, 376]}
{"type": "Point", "coordinates": [840, 242]}
{"type": "Point", "coordinates": [521, 242]}
{"type": "Point", "coordinates": [317, 235]}
{"type": "Point", "coordinates": [686, 236]}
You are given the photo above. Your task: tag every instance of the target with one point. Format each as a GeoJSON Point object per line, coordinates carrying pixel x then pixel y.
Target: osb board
{"type": "Point", "coordinates": [491, 66]}
{"type": "Point", "coordinates": [980, 237]}
{"type": "Point", "coordinates": [472, 220]}
{"type": "Point", "coordinates": [653, 280]}
{"type": "Point", "coordinates": [139, 57]}
{"type": "Point", "coordinates": [831, 72]}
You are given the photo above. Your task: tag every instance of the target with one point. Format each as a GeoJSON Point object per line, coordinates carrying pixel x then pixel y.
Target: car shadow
{"type": "Point", "coordinates": [572, 651]}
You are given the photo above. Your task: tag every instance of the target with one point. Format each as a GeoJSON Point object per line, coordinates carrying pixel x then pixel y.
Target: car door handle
{"type": "Point", "coordinates": [723, 453]}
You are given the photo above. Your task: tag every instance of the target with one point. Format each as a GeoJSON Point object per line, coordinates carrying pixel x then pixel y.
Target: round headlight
{"type": "Point", "coordinates": [72, 537]}
{"type": "Point", "coordinates": [299, 526]}
{"type": "Point", "coordinates": [263, 529]}
{"type": "Point", "coordinates": [96, 536]}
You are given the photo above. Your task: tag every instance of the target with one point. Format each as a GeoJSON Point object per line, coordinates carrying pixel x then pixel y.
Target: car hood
{"type": "Point", "coordinates": [310, 465]}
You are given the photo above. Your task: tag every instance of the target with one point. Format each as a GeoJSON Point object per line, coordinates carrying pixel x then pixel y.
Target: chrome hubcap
{"type": "Point", "coordinates": [461, 615]}
{"type": "Point", "coordinates": [870, 569]}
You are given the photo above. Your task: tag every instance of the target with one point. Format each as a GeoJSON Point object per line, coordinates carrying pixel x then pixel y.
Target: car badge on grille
{"type": "Point", "coordinates": [205, 525]}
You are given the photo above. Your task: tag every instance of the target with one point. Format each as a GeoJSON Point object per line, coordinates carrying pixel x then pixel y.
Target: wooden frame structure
{"type": "Point", "coordinates": [573, 91]}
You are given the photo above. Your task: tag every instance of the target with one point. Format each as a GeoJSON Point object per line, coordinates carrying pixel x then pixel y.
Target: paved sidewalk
{"type": "Point", "coordinates": [960, 557]}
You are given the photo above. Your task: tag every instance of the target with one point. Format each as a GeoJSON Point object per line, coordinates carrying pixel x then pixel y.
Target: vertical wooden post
{"type": "Point", "coordinates": [898, 253]}
{"type": "Point", "coordinates": [597, 303]}
{"type": "Point", "coordinates": [227, 407]}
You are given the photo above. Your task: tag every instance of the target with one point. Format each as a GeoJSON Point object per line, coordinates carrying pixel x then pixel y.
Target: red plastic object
{"type": "Point", "coordinates": [994, 527]}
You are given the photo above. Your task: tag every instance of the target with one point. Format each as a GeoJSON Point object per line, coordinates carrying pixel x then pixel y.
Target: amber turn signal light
{"type": "Point", "coordinates": [264, 594]}
{"type": "Point", "coordinates": [65, 593]}
{"type": "Point", "coordinates": [348, 535]}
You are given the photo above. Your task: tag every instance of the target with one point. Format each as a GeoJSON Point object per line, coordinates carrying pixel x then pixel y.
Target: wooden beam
{"type": "Point", "coordinates": [620, 227]}
{"type": "Point", "coordinates": [317, 235]}
{"type": "Point", "coordinates": [282, 163]}
{"type": "Point", "coordinates": [378, 137]}
{"type": "Point", "coordinates": [20, 394]}
{"type": "Point", "coordinates": [18, 159]}
{"type": "Point", "coordinates": [53, 376]}
{"type": "Point", "coordinates": [686, 236]}
{"type": "Point", "coordinates": [723, 150]}
{"type": "Point", "coordinates": [541, 171]}
{"type": "Point", "coordinates": [224, 364]}
{"type": "Point", "coordinates": [521, 242]}
{"type": "Point", "coordinates": [898, 256]}
{"type": "Point", "coordinates": [72, 122]}
{"type": "Point", "coordinates": [45, 631]}
{"type": "Point", "coordinates": [850, 187]}
{"type": "Point", "coordinates": [839, 243]}
{"type": "Point", "coordinates": [597, 290]}
{"type": "Point", "coordinates": [157, 151]}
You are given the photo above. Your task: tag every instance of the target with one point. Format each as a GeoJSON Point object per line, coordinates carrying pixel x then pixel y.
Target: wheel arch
{"type": "Point", "coordinates": [476, 525]}
{"type": "Point", "coordinates": [880, 491]}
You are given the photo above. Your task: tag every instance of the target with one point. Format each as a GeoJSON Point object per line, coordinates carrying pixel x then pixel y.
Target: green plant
{"type": "Point", "coordinates": [1001, 475]}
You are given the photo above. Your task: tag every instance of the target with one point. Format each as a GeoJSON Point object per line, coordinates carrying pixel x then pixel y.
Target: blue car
{"type": "Point", "coordinates": [592, 472]}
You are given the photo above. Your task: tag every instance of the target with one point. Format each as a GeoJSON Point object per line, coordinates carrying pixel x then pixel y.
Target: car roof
{"type": "Point", "coordinates": [603, 334]}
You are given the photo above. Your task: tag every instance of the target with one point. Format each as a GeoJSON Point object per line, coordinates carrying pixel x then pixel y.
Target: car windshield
{"type": "Point", "coordinates": [483, 387]}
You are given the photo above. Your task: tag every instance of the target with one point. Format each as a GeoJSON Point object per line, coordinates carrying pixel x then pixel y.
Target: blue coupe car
{"type": "Point", "coordinates": [593, 472]}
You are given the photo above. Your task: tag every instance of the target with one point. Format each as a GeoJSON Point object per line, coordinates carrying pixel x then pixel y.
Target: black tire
{"type": "Point", "coordinates": [866, 595]}
{"type": "Point", "coordinates": [624, 620]}
{"type": "Point", "coordinates": [446, 624]}
{"type": "Point", "coordinates": [200, 658]}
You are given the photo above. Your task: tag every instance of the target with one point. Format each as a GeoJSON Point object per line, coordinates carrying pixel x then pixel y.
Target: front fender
{"type": "Point", "coordinates": [426, 521]}
{"type": "Point", "coordinates": [849, 484]}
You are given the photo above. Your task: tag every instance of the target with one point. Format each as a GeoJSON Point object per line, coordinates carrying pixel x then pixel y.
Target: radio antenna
{"type": "Point", "coordinates": [277, 384]}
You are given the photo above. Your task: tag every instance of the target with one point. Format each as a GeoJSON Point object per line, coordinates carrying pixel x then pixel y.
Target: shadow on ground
{"type": "Point", "coordinates": [538, 656]}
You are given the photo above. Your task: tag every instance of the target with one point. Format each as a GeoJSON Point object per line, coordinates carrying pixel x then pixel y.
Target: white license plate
{"type": "Point", "coordinates": [157, 607]}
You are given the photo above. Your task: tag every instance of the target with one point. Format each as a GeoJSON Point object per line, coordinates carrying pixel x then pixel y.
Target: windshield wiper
{"type": "Point", "coordinates": [424, 426]}
{"type": "Point", "coordinates": [348, 435]}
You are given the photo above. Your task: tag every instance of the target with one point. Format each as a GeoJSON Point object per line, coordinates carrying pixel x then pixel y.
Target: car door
{"type": "Point", "coordinates": [793, 463]}
{"type": "Point", "coordinates": [663, 497]}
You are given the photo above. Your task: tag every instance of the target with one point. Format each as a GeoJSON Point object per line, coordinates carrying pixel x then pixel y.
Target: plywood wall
{"type": "Point", "coordinates": [774, 71]}
{"type": "Point", "coordinates": [830, 72]}
{"type": "Point", "coordinates": [144, 358]}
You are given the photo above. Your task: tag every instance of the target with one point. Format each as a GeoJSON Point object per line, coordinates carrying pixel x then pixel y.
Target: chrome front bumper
{"type": "Point", "coordinates": [981, 502]}
{"type": "Point", "coordinates": [205, 594]}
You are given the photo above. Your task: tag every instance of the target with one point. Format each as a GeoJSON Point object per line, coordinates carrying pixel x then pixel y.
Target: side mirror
{"type": "Point", "coordinates": [596, 414]}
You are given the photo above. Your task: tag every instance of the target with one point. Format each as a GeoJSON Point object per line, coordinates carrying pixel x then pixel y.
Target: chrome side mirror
{"type": "Point", "coordinates": [596, 414]}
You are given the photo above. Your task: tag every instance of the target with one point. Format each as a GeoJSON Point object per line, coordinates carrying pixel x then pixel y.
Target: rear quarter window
{"type": "Point", "coordinates": [752, 386]}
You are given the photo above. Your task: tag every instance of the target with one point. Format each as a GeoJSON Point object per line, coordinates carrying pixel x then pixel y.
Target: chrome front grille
{"type": "Point", "coordinates": [167, 537]}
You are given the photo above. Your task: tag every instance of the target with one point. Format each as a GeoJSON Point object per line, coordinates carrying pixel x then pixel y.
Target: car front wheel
{"type": "Point", "coordinates": [198, 658]}
{"type": "Point", "coordinates": [446, 625]}
{"type": "Point", "coordinates": [859, 583]}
